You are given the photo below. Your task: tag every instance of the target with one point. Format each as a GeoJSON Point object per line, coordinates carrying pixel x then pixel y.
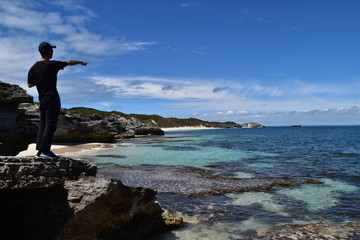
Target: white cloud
{"type": "Point", "coordinates": [19, 16]}
{"type": "Point", "coordinates": [329, 116]}
{"type": "Point", "coordinates": [258, 90]}
{"type": "Point", "coordinates": [209, 94]}
{"type": "Point", "coordinates": [25, 23]}
{"type": "Point", "coordinates": [165, 88]}
{"type": "Point", "coordinates": [302, 88]}
{"type": "Point", "coordinates": [190, 5]}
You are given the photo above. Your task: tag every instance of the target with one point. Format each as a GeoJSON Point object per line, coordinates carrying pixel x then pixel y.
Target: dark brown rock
{"type": "Point", "coordinates": [106, 209]}
{"type": "Point", "coordinates": [149, 131]}
{"type": "Point", "coordinates": [61, 199]}
{"type": "Point", "coordinates": [33, 202]}
{"type": "Point", "coordinates": [73, 127]}
{"type": "Point", "coordinates": [14, 133]}
{"type": "Point", "coordinates": [13, 94]}
{"type": "Point", "coordinates": [29, 173]}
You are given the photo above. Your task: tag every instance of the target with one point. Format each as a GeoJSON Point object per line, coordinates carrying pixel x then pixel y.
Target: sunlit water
{"type": "Point", "coordinates": [328, 154]}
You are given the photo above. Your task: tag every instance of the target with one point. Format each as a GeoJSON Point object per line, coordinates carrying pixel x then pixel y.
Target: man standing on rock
{"type": "Point", "coordinates": [43, 75]}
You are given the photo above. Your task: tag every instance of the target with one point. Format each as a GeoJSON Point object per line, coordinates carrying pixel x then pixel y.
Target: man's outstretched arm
{"type": "Point", "coordinates": [76, 62]}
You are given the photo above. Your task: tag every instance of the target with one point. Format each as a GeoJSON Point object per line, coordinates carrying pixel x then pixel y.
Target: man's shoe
{"type": "Point", "coordinates": [49, 154]}
{"type": "Point", "coordinates": [38, 154]}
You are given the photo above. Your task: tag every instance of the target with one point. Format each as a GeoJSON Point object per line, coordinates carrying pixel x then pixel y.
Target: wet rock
{"type": "Point", "coordinates": [14, 133]}
{"type": "Point", "coordinates": [312, 231]}
{"type": "Point", "coordinates": [189, 180]}
{"type": "Point", "coordinates": [173, 221]}
{"type": "Point", "coordinates": [149, 131]}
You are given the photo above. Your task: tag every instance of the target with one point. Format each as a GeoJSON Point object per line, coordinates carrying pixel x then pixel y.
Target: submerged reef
{"type": "Point", "coordinates": [312, 231]}
{"type": "Point", "coordinates": [191, 181]}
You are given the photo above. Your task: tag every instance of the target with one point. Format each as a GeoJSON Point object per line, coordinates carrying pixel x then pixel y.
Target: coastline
{"type": "Point", "coordinates": [186, 128]}
{"type": "Point", "coordinates": [64, 148]}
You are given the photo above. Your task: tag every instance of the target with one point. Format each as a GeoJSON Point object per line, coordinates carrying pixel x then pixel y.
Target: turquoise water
{"type": "Point", "coordinates": [176, 148]}
{"type": "Point", "coordinates": [328, 154]}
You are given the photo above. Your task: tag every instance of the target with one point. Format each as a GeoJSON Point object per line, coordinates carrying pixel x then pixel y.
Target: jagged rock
{"type": "Point", "coordinates": [128, 134]}
{"type": "Point", "coordinates": [14, 133]}
{"type": "Point", "coordinates": [312, 231]}
{"type": "Point", "coordinates": [13, 94]}
{"type": "Point", "coordinates": [173, 221]}
{"type": "Point", "coordinates": [149, 131]}
{"type": "Point", "coordinates": [33, 202]}
{"type": "Point", "coordinates": [61, 199]}
{"type": "Point", "coordinates": [73, 127]}
{"type": "Point", "coordinates": [30, 173]}
{"type": "Point", "coordinates": [106, 209]}
{"type": "Point", "coordinates": [252, 125]}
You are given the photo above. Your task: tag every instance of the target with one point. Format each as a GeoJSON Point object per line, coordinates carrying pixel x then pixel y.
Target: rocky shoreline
{"type": "Point", "coordinates": [20, 117]}
{"type": "Point", "coordinates": [19, 123]}
{"type": "Point", "coordinates": [69, 199]}
{"type": "Point", "coordinates": [63, 199]}
{"type": "Point", "coordinates": [181, 182]}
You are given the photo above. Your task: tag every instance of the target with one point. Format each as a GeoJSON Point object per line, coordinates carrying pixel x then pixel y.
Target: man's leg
{"type": "Point", "coordinates": [51, 117]}
{"type": "Point", "coordinates": [51, 107]}
{"type": "Point", "coordinates": [41, 129]}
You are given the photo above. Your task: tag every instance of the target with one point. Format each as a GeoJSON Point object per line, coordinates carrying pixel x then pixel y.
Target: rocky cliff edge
{"type": "Point", "coordinates": [62, 199]}
{"type": "Point", "coordinates": [14, 128]}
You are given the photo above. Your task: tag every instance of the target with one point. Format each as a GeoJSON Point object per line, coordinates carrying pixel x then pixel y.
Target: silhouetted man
{"type": "Point", "coordinates": [43, 75]}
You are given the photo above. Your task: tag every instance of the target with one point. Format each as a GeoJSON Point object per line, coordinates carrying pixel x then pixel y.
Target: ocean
{"type": "Point", "coordinates": [330, 154]}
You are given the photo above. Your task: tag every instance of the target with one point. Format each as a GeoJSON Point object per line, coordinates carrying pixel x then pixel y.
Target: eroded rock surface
{"type": "Point", "coordinates": [61, 199]}
{"type": "Point", "coordinates": [106, 209]}
{"type": "Point", "coordinates": [313, 231]}
{"type": "Point", "coordinates": [30, 173]}
{"type": "Point", "coordinates": [33, 202]}
{"type": "Point", "coordinates": [76, 127]}
{"type": "Point", "coordinates": [14, 132]}
{"type": "Point", "coordinates": [189, 180]}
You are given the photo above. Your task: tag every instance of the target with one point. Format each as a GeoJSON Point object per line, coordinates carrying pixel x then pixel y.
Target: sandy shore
{"type": "Point", "coordinates": [186, 128]}
{"type": "Point", "coordinates": [64, 149]}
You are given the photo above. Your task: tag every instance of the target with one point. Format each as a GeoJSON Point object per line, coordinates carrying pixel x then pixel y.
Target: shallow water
{"type": "Point", "coordinates": [328, 154]}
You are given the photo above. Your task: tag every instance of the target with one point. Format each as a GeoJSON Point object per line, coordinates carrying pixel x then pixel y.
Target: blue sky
{"type": "Point", "coordinates": [276, 62]}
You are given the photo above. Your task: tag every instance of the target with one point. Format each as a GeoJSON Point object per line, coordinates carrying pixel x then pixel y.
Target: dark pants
{"type": "Point", "coordinates": [49, 113]}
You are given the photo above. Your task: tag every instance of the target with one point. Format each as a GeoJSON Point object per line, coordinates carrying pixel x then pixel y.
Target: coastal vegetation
{"type": "Point", "coordinates": [154, 120]}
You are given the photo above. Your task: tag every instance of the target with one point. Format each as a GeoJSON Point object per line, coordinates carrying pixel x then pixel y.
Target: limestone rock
{"type": "Point", "coordinates": [14, 133]}
{"type": "Point", "coordinates": [33, 202]}
{"type": "Point", "coordinates": [252, 125]}
{"type": "Point", "coordinates": [312, 231]}
{"type": "Point", "coordinates": [73, 127]}
{"type": "Point", "coordinates": [29, 173]}
{"type": "Point", "coordinates": [13, 94]}
{"type": "Point", "coordinates": [149, 131]}
{"type": "Point", "coordinates": [61, 199]}
{"type": "Point", "coordinates": [106, 209]}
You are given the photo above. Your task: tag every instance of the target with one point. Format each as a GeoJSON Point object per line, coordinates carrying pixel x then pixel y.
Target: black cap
{"type": "Point", "coordinates": [45, 46]}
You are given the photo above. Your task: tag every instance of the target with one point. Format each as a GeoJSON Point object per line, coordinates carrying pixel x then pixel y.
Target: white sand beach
{"type": "Point", "coordinates": [186, 128]}
{"type": "Point", "coordinates": [64, 149]}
